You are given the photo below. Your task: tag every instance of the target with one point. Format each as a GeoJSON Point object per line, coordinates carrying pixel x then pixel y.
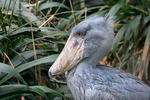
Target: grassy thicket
{"type": "Point", "coordinates": [32, 34]}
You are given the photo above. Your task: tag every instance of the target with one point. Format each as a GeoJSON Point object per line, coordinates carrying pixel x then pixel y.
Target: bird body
{"type": "Point", "coordinates": [88, 43]}
{"type": "Point", "coordinates": [88, 82]}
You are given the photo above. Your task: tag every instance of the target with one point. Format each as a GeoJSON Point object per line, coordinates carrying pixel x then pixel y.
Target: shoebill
{"type": "Point", "coordinates": [88, 43]}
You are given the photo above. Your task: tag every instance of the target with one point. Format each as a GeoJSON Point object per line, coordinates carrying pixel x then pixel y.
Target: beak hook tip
{"type": "Point", "coordinates": [50, 74]}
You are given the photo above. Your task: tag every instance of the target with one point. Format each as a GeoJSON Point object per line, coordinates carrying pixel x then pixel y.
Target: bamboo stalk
{"type": "Point", "coordinates": [35, 57]}
{"type": "Point", "coordinates": [11, 64]}
{"type": "Point", "coordinates": [72, 12]}
{"type": "Point", "coordinates": [85, 9]}
{"type": "Point", "coordinates": [9, 60]}
{"type": "Point", "coordinates": [37, 68]}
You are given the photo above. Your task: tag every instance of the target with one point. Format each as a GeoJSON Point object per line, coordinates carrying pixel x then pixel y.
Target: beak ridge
{"type": "Point", "coordinates": [69, 57]}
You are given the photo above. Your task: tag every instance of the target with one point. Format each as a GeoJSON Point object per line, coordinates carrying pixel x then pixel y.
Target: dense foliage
{"type": "Point", "coordinates": [33, 33]}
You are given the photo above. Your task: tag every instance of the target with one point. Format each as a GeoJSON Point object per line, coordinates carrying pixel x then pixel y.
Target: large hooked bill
{"type": "Point", "coordinates": [70, 56]}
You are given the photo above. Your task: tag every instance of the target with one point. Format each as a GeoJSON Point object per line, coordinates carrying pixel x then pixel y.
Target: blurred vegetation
{"type": "Point", "coordinates": [33, 33]}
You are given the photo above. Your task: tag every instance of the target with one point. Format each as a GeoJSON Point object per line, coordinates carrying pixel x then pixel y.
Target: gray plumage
{"type": "Point", "coordinates": [90, 82]}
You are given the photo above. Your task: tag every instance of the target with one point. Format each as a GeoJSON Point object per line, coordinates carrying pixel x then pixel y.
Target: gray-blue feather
{"type": "Point", "coordinates": [105, 83]}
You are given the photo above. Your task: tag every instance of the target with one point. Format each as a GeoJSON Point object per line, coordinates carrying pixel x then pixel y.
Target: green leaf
{"type": "Point", "coordinates": [47, 90]}
{"type": "Point", "coordinates": [63, 88]}
{"type": "Point", "coordinates": [138, 9]}
{"type": "Point", "coordinates": [8, 92]}
{"type": "Point", "coordinates": [146, 54]}
{"type": "Point", "coordinates": [45, 29]}
{"type": "Point", "coordinates": [1, 16]}
{"type": "Point", "coordinates": [23, 29]}
{"type": "Point", "coordinates": [39, 91]}
{"type": "Point", "coordinates": [14, 96]}
{"type": "Point", "coordinates": [2, 36]}
{"type": "Point", "coordinates": [8, 89]}
{"type": "Point", "coordinates": [48, 59]}
{"type": "Point", "coordinates": [8, 69]}
{"type": "Point", "coordinates": [131, 30]}
{"type": "Point", "coordinates": [51, 5]}
{"type": "Point", "coordinates": [115, 9]}
{"type": "Point", "coordinates": [62, 25]}
{"type": "Point", "coordinates": [54, 34]}
{"type": "Point", "coordinates": [146, 20]}
{"type": "Point", "coordinates": [26, 55]}
{"type": "Point", "coordinates": [118, 37]}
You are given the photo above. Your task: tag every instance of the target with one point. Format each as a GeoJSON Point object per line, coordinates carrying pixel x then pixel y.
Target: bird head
{"type": "Point", "coordinates": [88, 42]}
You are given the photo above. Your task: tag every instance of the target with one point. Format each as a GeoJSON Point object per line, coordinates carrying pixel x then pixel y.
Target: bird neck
{"type": "Point", "coordinates": [79, 69]}
{"type": "Point", "coordinates": [94, 58]}
{"type": "Point", "coordinates": [89, 62]}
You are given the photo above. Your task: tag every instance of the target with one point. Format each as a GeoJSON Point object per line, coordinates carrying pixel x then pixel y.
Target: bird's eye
{"type": "Point", "coordinates": [79, 34]}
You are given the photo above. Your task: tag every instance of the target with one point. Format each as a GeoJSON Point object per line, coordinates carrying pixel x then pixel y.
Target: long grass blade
{"type": "Point", "coordinates": [8, 69]}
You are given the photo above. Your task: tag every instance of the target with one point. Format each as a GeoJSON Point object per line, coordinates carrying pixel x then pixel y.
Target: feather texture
{"type": "Point", "coordinates": [105, 83]}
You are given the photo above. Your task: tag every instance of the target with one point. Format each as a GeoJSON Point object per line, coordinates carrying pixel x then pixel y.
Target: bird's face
{"type": "Point", "coordinates": [85, 41]}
